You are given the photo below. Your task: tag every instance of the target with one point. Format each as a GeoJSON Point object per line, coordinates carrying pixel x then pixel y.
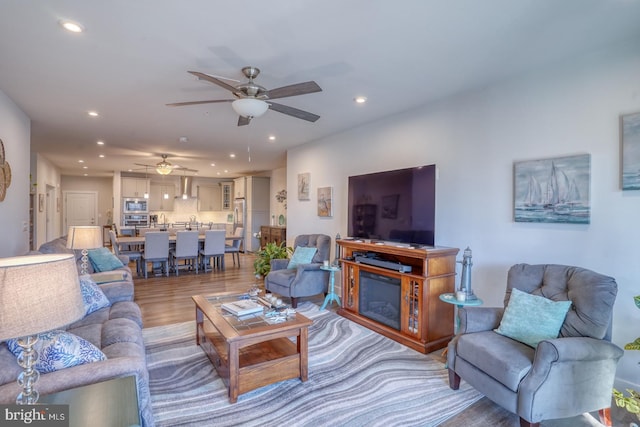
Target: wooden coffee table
{"type": "Point", "coordinates": [250, 352]}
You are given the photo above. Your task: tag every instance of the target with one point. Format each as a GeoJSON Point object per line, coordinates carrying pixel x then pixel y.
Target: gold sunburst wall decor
{"type": "Point", "coordinates": [5, 173]}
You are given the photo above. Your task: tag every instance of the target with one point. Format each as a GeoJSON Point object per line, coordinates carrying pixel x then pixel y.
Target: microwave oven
{"type": "Point", "coordinates": [132, 206]}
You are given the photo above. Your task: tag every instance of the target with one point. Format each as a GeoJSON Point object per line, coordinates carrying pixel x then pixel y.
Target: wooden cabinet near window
{"type": "Point", "coordinates": [272, 234]}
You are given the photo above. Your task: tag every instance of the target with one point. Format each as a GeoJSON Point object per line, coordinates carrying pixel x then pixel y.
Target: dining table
{"type": "Point", "coordinates": [139, 240]}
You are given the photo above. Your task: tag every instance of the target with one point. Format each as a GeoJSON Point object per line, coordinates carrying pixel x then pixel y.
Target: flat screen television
{"type": "Point", "coordinates": [395, 206]}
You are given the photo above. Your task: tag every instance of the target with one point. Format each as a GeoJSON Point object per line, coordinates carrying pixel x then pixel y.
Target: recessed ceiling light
{"type": "Point", "coordinates": [218, 173]}
{"type": "Point", "coordinates": [232, 155]}
{"type": "Point", "coordinates": [71, 26]}
{"type": "Point", "coordinates": [100, 142]}
{"type": "Point", "coordinates": [183, 139]}
{"type": "Point", "coordinates": [93, 113]}
{"type": "Point", "coordinates": [86, 174]}
{"type": "Point", "coordinates": [85, 167]}
{"type": "Point", "coordinates": [81, 161]}
{"type": "Point", "coordinates": [101, 156]}
{"type": "Point", "coordinates": [213, 164]}
{"type": "Point", "coordinates": [226, 171]}
{"type": "Point", "coordinates": [360, 99]}
{"type": "Point", "coordinates": [272, 138]}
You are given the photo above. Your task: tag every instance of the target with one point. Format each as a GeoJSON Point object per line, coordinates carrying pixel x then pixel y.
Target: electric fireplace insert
{"type": "Point", "coordinates": [379, 298]}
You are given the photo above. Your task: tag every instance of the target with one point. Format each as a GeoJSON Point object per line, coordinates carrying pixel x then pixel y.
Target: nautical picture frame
{"type": "Point", "coordinates": [630, 141]}
{"type": "Point", "coordinates": [304, 185]}
{"type": "Point", "coordinates": [554, 190]}
{"type": "Point", "coordinates": [325, 202]}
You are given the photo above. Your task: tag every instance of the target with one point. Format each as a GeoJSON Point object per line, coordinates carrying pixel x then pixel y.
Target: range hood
{"type": "Point", "coordinates": [186, 185]}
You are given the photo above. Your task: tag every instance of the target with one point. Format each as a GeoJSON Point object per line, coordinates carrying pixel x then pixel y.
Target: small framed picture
{"type": "Point", "coordinates": [304, 186]}
{"type": "Point", "coordinates": [325, 201]}
{"type": "Point", "coordinates": [41, 202]}
{"type": "Point", "coordinates": [630, 137]}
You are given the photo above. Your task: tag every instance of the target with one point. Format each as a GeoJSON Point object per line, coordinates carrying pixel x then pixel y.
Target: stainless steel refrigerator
{"type": "Point", "coordinates": [240, 217]}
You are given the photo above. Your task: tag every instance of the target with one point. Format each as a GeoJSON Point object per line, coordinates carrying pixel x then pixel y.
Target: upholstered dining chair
{"type": "Point", "coordinates": [295, 279]}
{"type": "Point", "coordinates": [213, 249]}
{"type": "Point", "coordinates": [234, 247]}
{"type": "Point", "coordinates": [187, 248]}
{"type": "Point", "coordinates": [156, 250]}
{"type": "Point", "coordinates": [133, 255]}
{"type": "Point", "coordinates": [548, 353]}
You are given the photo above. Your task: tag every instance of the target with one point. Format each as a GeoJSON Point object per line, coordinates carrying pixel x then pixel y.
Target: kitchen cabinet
{"type": "Point", "coordinates": [134, 187]}
{"type": "Point", "coordinates": [240, 187]}
{"type": "Point", "coordinates": [209, 198]}
{"type": "Point", "coordinates": [226, 195]}
{"type": "Point", "coordinates": [157, 200]}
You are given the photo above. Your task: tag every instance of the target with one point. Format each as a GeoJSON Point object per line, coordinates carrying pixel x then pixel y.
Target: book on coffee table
{"type": "Point", "coordinates": [242, 307]}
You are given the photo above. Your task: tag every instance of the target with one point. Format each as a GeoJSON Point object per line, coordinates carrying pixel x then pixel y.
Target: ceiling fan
{"type": "Point", "coordinates": [253, 100]}
{"type": "Point", "coordinates": [164, 167]}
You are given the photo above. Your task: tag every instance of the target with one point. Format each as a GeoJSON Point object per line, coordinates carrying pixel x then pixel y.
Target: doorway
{"type": "Point", "coordinates": [80, 208]}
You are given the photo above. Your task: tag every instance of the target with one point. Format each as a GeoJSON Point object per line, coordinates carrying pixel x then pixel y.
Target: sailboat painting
{"type": "Point", "coordinates": [630, 125]}
{"type": "Point", "coordinates": [553, 190]}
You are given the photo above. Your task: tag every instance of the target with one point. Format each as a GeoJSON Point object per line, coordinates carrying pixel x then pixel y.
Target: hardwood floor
{"type": "Point", "coordinates": [164, 300]}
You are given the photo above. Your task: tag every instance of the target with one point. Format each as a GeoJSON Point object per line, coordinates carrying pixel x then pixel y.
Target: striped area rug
{"type": "Point", "coordinates": [356, 378]}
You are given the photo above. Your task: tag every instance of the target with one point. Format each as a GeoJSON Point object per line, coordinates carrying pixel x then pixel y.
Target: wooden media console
{"type": "Point", "coordinates": [421, 321]}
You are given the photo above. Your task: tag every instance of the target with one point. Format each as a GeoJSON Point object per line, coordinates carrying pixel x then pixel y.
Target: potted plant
{"type": "Point", "coordinates": [632, 402]}
{"type": "Point", "coordinates": [262, 264]}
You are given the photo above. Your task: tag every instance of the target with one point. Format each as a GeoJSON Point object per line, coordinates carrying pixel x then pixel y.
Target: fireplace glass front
{"type": "Point", "coordinates": [379, 298]}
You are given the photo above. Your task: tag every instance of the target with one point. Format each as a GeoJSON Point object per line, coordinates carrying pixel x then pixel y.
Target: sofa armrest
{"type": "Point", "coordinates": [478, 319]}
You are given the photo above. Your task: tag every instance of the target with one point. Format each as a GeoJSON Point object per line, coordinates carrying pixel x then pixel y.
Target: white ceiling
{"type": "Point", "coordinates": [134, 56]}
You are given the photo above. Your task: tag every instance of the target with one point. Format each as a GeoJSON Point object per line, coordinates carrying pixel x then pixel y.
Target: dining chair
{"type": "Point", "coordinates": [214, 250]}
{"type": "Point", "coordinates": [186, 250]}
{"type": "Point", "coordinates": [156, 249]}
{"type": "Point", "coordinates": [234, 248]}
{"type": "Point", "coordinates": [133, 255]}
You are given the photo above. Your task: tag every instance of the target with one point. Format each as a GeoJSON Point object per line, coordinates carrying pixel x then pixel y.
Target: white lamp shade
{"type": "Point", "coordinates": [249, 107]}
{"type": "Point", "coordinates": [84, 237]}
{"type": "Point", "coordinates": [38, 293]}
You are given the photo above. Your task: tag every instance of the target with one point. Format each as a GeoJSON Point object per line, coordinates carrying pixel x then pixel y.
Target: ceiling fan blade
{"type": "Point", "coordinates": [290, 111]}
{"type": "Point", "coordinates": [243, 121]}
{"type": "Point", "coordinates": [181, 104]}
{"type": "Point", "coordinates": [146, 166]}
{"type": "Point", "coordinates": [203, 76]}
{"type": "Point", "coordinates": [294, 90]}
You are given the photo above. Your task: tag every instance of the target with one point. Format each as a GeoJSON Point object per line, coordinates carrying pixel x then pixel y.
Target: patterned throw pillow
{"type": "Point", "coordinates": [92, 296]}
{"type": "Point", "coordinates": [103, 260]}
{"type": "Point", "coordinates": [532, 318]}
{"type": "Point", "coordinates": [60, 349]}
{"type": "Point", "coordinates": [302, 255]}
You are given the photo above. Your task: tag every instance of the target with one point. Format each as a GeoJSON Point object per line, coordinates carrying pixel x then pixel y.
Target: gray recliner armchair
{"type": "Point", "coordinates": [560, 378]}
{"type": "Point", "coordinates": [306, 279]}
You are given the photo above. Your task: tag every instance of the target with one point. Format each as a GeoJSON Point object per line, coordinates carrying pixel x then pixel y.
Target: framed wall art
{"type": "Point", "coordinates": [304, 181]}
{"type": "Point", "coordinates": [325, 201]}
{"type": "Point", "coordinates": [41, 202]}
{"type": "Point", "coordinates": [553, 190]}
{"type": "Point", "coordinates": [630, 139]}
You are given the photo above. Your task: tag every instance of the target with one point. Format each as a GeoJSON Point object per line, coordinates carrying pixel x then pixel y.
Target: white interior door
{"type": "Point", "coordinates": [80, 208]}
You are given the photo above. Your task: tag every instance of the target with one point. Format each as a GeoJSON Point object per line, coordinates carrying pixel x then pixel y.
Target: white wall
{"type": "Point", "coordinates": [15, 133]}
{"type": "Point", "coordinates": [474, 139]}
{"type": "Point", "coordinates": [47, 175]}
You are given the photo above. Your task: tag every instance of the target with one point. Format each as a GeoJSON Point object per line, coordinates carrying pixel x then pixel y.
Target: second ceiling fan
{"type": "Point", "coordinates": [252, 100]}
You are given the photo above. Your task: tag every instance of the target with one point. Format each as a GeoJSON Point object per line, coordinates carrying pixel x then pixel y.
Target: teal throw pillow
{"type": "Point", "coordinates": [531, 318]}
{"type": "Point", "coordinates": [302, 255]}
{"type": "Point", "coordinates": [60, 349]}
{"type": "Point", "coordinates": [103, 260]}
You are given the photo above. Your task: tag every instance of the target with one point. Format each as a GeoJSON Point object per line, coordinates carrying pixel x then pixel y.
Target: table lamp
{"type": "Point", "coordinates": [84, 237]}
{"type": "Point", "coordinates": [28, 287]}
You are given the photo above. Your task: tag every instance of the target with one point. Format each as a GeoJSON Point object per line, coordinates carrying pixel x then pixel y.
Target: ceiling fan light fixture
{"type": "Point", "coordinates": [250, 107]}
{"type": "Point", "coordinates": [164, 168]}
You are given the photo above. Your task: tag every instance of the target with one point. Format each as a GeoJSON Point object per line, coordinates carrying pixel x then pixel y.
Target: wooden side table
{"type": "Point", "coordinates": [112, 403]}
{"type": "Point", "coordinates": [331, 296]}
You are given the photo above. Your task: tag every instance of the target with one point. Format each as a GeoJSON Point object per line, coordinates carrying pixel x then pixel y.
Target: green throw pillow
{"type": "Point", "coordinates": [103, 260]}
{"type": "Point", "coordinates": [531, 318]}
{"type": "Point", "coordinates": [302, 255]}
